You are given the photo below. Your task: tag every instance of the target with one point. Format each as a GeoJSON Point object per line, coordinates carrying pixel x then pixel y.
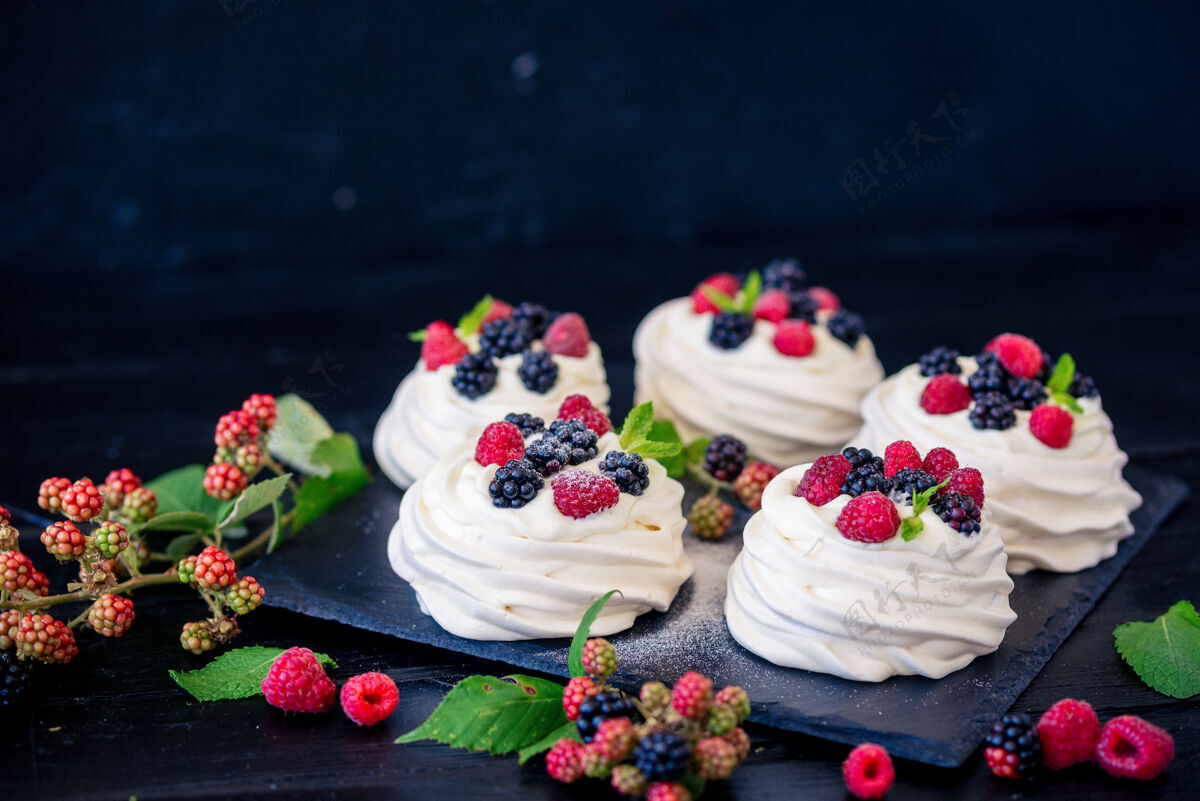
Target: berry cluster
{"type": "Point", "coordinates": [297, 682]}
{"type": "Point", "coordinates": [241, 446]}
{"type": "Point", "coordinates": [645, 745]}
{"type": "Point", "coordinates": [214, 575]}
{"type": "Point", "coordinates": [726, 462]}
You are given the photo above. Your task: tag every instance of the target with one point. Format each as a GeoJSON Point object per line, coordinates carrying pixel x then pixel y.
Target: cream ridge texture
{"type": "Point", "coordinates": [427, 417]}
{"type": "Point", "coordinates": [1058, 509]}
{"type": "Point", "coordinates": [801, 595]}
{"type": "Point", "coordinates": [786, 409]}
{"type": "Point", "coordinates": [512, 574]}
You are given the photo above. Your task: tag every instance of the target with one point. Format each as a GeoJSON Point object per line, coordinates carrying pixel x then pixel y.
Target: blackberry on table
{"type": "Point", "coordinates": [959, 511]}
{"type": "Point", "coordinates": [662, 756]}
{"type": "Point", "coordinates": [803, 306]}
{"type": "Point", "coordinates": [940, 360]}
{"type": "Point", "coordinates": [730, 329]}
{"type": "Point", "coordinates": [992, 410]}
{"type": "Point", "coordinates": [1013, 748]}
{"type": "Point", "coordinates": [629, 470]}
{"type": "Point", "coordinates": [515, 484]}
{"type": "Point", "coordinates": [846, 326]}
{"type": "Point", "coordinates": [1082, 386]}
{"type": "Point", "coordinates": [785, 274]}
{"type": "Point", "coordinates": [604, 705]}
{"type": "Point", "coordinates": [868, 478]}
{"type": "Point", "coordinates": [500, 338]}
{"type": "Point", "coordinates": [580, 439]}
{"type": "Point", "coordinates": [911, 480]}
{"type": "Point", "coordinates": [535, 318]}
{"type": "Point", "coordinates": [725, 457]}
{"type": "Point", "coordinates": [528, 423]}
{"type": "Point", "coordinates": [15, 677]}
{"type": "Point", "coordinates": [1026, 393]}
{"type": "Point", "coordinates": [990, 377]}
{"type": "Point", "coordinates": [548, 455]}
{"type": "Point", "coordinates": [475, 375]}
{"type": "Point", "coordinates": [538, 371]}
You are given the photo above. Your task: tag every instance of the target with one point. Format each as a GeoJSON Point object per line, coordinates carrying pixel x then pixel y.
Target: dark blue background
{"type": "Point", "coordinates": [227, 132]}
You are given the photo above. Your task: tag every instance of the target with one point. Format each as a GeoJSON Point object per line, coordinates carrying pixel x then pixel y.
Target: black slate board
{"type": "Point", "coordinates": [937, 722]}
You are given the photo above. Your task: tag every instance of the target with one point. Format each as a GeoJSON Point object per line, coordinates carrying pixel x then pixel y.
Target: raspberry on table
{"type": "Point", "coordinates": [629, 470]}
{"type": "Point", "coordinates": [910, 481]}
{"type": "Point", "coordinates": [64, 540]}
{"type": "Point", "coordinates": [111, 615]}
{"type": "Point", "coordinates": [599, 658]}
{"type": "Point", "coordinates": [714, 758]}
{"type": "Point", "coordinates": [736, 698]}
{"type": "Point", "coordinates": [538, 371]}
{"type": "Point", "coordinates": [263, 407]}
{"type": "Point", "coordinates": [794, 338]}
{"type": "Point", "coordinates": [772, 306]}
{"type": "Point", "coordinates": [474, 375]}
{"type": "Point", "coordinates": [297, 682]}
{"type": "Point", "coordinates": [868, 771]}
{"type": "Point", "coordinates": [577, 689]}
{"type": "Point", "coordinates": [225, 481]}
{"type": "Point", "coordinates": [535, 317]}
{"type": "Point", "coordinates": [751, 482]}
{"type": "Point", "coordinates": [235, 428]}
{"type": "Point", "coordinates": [245, 596]}
{"type": "Point", "coordinates": [655, 696]}
{"type": "Point", "coordinates": [945, 394]}
{"type": "Point", "coordinates": [369, 698]}
{"type": "Point", "coordinates": [110, 539]}
{"type": "Point", "coordinates": [724, 283]}
{"type": "Point", "coordinates": [938, 361]}
{"type": "Point", "coordinates": [870, 517]}
{"type": "Point", "coordinates": [18, 573]}
{"type": "Point", "coordinates": [40, 636]}
{"type": "Point", "coordinates": [564, 760]}
{"type": "Point", "coordinates": [601, 706]}
{"type": "Point", "coordinates": [1013, 750]}
{"type": "Point", "coordinates": [940, 463]}
{"type": "Point", "coordinates": [197, 637]}
{"type": "Point", "coordinates": [1020, 355]}
{"type": "Point", "coordinates": [1132, 748]}
{"type": "Point", "coordinates": [1068, 731]}
{"type": "Point", "coordinates": [710, 517]}
{"type": "Point", "coordinates": [515, 484]}
{"type": "Point", "coordinates": [139, 505]}
{"type": "Point", "coordinates": [725, 457]}
{"type": "Point", "coordinates": [662, 756]}
{"type": "Point", "coordinates": [628, 780]}
{"type": "Point", "coordinates": [548, 455]}
{"type": "Point", "coordinates": [499, 443]}
{"type": "Point", "coordinates": [568, 335]}
{"type": "Point", "coordinates": [441, 345]}
{"type": "Point", "coordinates": [785, 274]}
{"type": "Point", "coordinates": [968, 481]}
{"type": "Point", "coordinates": [900, 455]}
{"type": "Point", "coordinates": [50, 493]}
{"type": "Point", "coordinates": [730, 329]}
{"type": "Point", "coordinates": [692, 695]}
{"type": "Point", "coordinates": [959, 511]}
{"type": "Point", "coordinates": [575, 434]}
{"type": "Point", "coordinates": [614, 739]}
{"type": "Point", "coordinates": [118, 484]}
{"type": "Point", "coordinates": [993, 410]}
{"type": "Point", "coordinates": [822, 482]}
{"type": "Point", "coordinates": [528, 424]}
{"type": "Point", "coordinates": [501, 338]}
{"type": "Point", "coordinates": [214, 569]}
{"type": "Point", "coordinates": [1052, 425]}
{"type": "Point", "coordinates": [846, 326]}
{"type": "Point", "coordinates": [82, 501]}
{"type": "Point", "coordinates": [16, 677]}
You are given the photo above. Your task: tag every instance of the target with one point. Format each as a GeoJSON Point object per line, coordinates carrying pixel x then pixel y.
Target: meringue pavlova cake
{"type": "Point", "coordinates": [498, 358]}
{"type": "Point", "coordinates": [779, 366]}
{"type": "Point", "coordinates": [514, 536]}
{"type": "Point", "coordinates": [1039, 434]}
{"type": "Point", "coordinates": [838, 577]}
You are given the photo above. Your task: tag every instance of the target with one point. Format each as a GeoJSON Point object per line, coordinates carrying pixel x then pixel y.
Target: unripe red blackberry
{"type": "Point", "coordinates": [110, 539]}
{"type": "Point", "coordinates": [249, 459]}
{"type": "Point", "coordinates": [224, 481]}
{"type": "Point", "coordinates": [50, 492]}
{"type": "Point", "coordinates": [42, 637]}
{"type": "Point", "coordinates": [599, 658]}
{"type": "Point", "coordinates": [710, 517]}
{"type": "Point", "coordinates": [119, 484]}
{"type": "Point", "coordinates": [9, 621]}
{"type": "Point", "coordinates": [82, 501]}
{"type": "Point", "coordinates": [111, 615]}
{"type": "Point", "coordinates": [736, 698]}
{"type": "Point", "coordinates": [245, 596]}
{"type": "Point", "coordinates": [18, 573]}
{"type": "Point", "coordinates": [139, 505]}
{"type": "Point", "coordinates": [692, 695]}
{"type": "Point", "coordinates": [214, 569]}
{"type": "Point", "coordinates": [714, 758]}
{"type": "Point", "coordinates": [263, 407]}
{"type": "Point", "coordinates": [64, 540]}
{"type": "Point", "coordinates": [236, 428]}
{"type": "Point", "coordinates": [740, 742]}
{"type": "Point", "coordinates": [628, 780]}
{"type": "Point", "coordinates": [655, 696]}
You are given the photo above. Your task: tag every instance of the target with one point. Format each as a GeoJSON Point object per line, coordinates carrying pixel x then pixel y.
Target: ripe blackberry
{"type": "Point", "coordinates": [940, 360]}
{"type": "Point", "coordinates": [515, 484]}
{"type": "Point", "coordinates": [992, 410]}
{"type": "Point", "coordinates": [578, 437]}
{"type": "Point", "coordinates": [803, 306]}
{"type": "Point", "coordinates": [475, 375]}
{"type": "Point", "coordinates": [535, 317]}
{"type": "Point", "coordinates": [862, 456]}
{"type": "Point", "coordinates": [595, 709]}
{"type": "Point", "coordinates": [501, 338]}
{"type": "Point", "coordinates": [15, 677]}
{"type": "Point", "coordinates": [958, 511]}
{"type": "Point", "coordinates": [629, 470]}
{"type": "Point", "coordinates": [1082, 386]}
{"type": "Point", "coordinates": [725, 457]}
{"type": "Point", "coordinates": [730, 329]}
{"type": "Point", "coordinates": [785, 274]}
{"type": "Point", "coordinates": [1013, 748]}
{"type": "Point", "coordinates": [990, 377]}
{"type": "Point", "coordinates": [538, 371]}
{"type": "Point", "coordinates": [662, 756]}
{"type": "Point", "coordinates": [868, 478]}
{"type": "Point", "coordinates": [548, 455]}
{"type": "Point", "coordinates": [846, 326]}
{"type": "Point", "coordinates": [528, 423]}
{"type": "Point", "coordinates": [909, 481]}
{"type": "Point", "coordinates": [1025, 393]}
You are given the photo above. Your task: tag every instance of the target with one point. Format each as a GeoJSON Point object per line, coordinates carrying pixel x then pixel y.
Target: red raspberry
{"type": "Point", "coordinates": [581, 493]}
{"type": "Point", "coordinates": [139, 505]}
{"type": "Point", "coordinates": [692, 695]}
{"type": "Point", "coordinates": [442, 345]}
{"type": "Point", "coordinates": [235, 428]}
{"type": "Point", "coordinates": [18, 573]}
{"type": "Point", "coordinates": [822, 482]}
{"type": "Point", "coordinates": [597, 421]}
{"type": "Point", "coordinates": [722, 282]}
{"type": "Point", "coordinates": [668, 791]}
{"type": "Point", "coordinates": [10, 621]}
{"type": "Point", "coordinates": [579, 407]}
{"type": "Point", "coordinates": [369, 698]}
{"type": "Point", "coordinates": [498, 443]}
{"type": "Point", "coordinates": [825, 297]}
{"type": "Point", "coordinates": [899, 455]}
{"type": "Point", "coordinates": [1052, 425]}
{"type": "Point", "coordinates": [751, 482]}
{"type": "Point", "coordinates": [614, 739]}
{"type": "Point", "coordinates": [1069, 731]}
{"type": "Point", "coordinates": [794, 338]}
{"type": "Point", "coordinates": [735, 698]}
{"type": "Point", "coordinates": [940, 463]}
{"type": "Point", "coordinates": [245, 596]}
{"type": "Point", "coordinates": [968, 481]}
{"type": "Point", "coordinates": [578, 688]}
{"type": "Point", "coordinates": [655, 696]}
{"type": "Point", "coordinates": [567, 336]}
{"type": "Point", "coordinates": [297, 682]}
{"type": "Point", "coordinates": [82, 501]}
{"type": "Point", "coordinates": [111, 615]}
{"type": "Point", "coordinates": [42, 637]}
{"type": "Point", "coordinates": [710, 517]}
{"type": "Point", "coordinates": [64, 540]}
{"type": "Point", "coordinates": [870, 517]}
{"type": "Point", "coordinates": [119, 484]}
{"type": "Point", "coordinates": [1020, 355]}
{"type": "Point", "coordinates": [225, 481]}
{"type": "Point", "coordinates": [773, 306]}
{"type": "Point", "coordinates": [1131, 748]}
{"type": "Point", "coordinates": [628, 780]}
{"type": "Point", "coordinates": [263, 407]}
{"type": "Point", "coordinates": [50, 492]}
{"type": "Point", "coordinates": [214, 569]}
{"type": "Point", "coordinates": [714, 758]}
{"type": "Point", "coordinates": [945, 394]}
{"type": "Point", "coordinates": [564, 761]}
{"type": "Point", "coordinates": [599, 658]}
{"type": "Point", "coordinates": [499, 311]}
{"type": "Point", "coordinates": [868, 771]}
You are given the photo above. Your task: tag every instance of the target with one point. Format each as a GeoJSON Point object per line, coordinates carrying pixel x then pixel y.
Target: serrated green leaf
{"type": "Point", "coordinates": [637, 424]}
{"type": "Point", "coordinates": [182, 545]}
{"type": "Point", "coordinates": [664, 431]}
{"type": "Point", "coordinates": [256, 496]}
{"type": "Point", "coordinates": [182, 490]}
{"type": "Point", "coordinates": [749, 292]}
{"type": "Point", "coordinates": [296, 432]}
{"type": "Point", "coordinates": [418, 336]}
{"type": "Point", "coordinates": [575, 656]}
{"type": "Point", "coordinates": [317, 495]}
{"type": "Point", "coordinates": [694, 452]}
{"type": "Point", "coordinates": [719, 298]}
{"type": "Point", "coordinates": [910, 528]}
{"type": "Point", "coordinates": [1164, 653]}
{"type": "Point", "coordinates": [236, 674]}
{"type": "Point", "coordinates": [1064, 373]}
{"type": "Point", "coordinates": [273, 539]}
{"type": "Point", "coordinates": [469, 323]}
{"type": "Point", "coordinates": [175, 521]}
{"type": "Point", "coordinates": [484, 713]}
{"type": "Point", "coordinates": [568, 729]}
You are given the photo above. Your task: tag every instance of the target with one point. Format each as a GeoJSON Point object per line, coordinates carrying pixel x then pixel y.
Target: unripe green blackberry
{"type": "Point", "coordinates": [599, 658]}
{"type": "Point", "coordinates": [710, 517]}
{"type": "Point", "coordinates": [245, 596]}
{"type": "Point", "coordinates": [110, 539]}
{"type": "Point", "coordinates": [249, 458]}
{"type": "Point", "coordinates": [628, 780]}
{"type": "Point", "coordinates": [196, 637]}
{"type": "Point", "coordinates": [655, 696]}
{"type": "Point", "coordinates": [187, 570]}
{"type": "Point", "coordinates": [595, 764]}
{"type": "Point", "coordinates": [139, 505]}
{"type": "Point", "coordinates": [721, 719]}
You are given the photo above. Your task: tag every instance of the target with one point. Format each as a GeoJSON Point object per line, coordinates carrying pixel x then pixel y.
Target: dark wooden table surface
{"type": "Point", "coordinates": [137, 375]}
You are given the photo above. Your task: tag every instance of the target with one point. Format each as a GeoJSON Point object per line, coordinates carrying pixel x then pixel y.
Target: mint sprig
{"type": "Point", "coordinates": [743, 302]}
{"type": "Point", "coordinates": [1060, 383]}
{"type": "Point", "coordinates": [1164, 653]}
{"type": "Point", "coordinates": [912, 526]}
{"type": "Point", "coordinates": [641, 434]}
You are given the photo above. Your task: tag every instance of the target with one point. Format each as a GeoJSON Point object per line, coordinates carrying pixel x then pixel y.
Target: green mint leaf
{"type": "Point", "coordinates": [575, 657]}
{"type": "Point", "coordinates": [719, 298]}
{"type": "Point", "coordinates": [1164, 653]}
{"type": "Point", "coordinates": [236, 674]}
{"type": "Point", "coordinates": [1065, 400]}
{"type": "Point", "coordinates": [1063, 375]}
{"type": "Point", "coordinates": [656, 450]}
{"type": "Point", "coordinates": [319, 494]}
{"type": "Point", "coordinates": [418, 336]}
{"type": "Point", "coordinates": [568, 729]}
{"type": "Point", "coordinates": [470, 322]}
{"type": "Point", "coordinates": [256, 496]}
{"type": "Point", "coordinates": [664, 431]}
{"type": "Point", "coordinates": [749, 292]}
{"type": "Point", "coordinates": [182, 545]}
{"type": "Point", "coordinates": [182, 490]}
{"type": "Point", "coordinates": [296, 432]}
{"type": "Point", "coordinates": [484, 713]}
{"type": "Point", "coordinates": [694, 452]}
{"type": "Point", "coordinates": [921, 499]}
{"type": "Point", "coordinates": [175, 521]}
{"type": "Point", "coordinates": [274, 539]}
{"type": "Point", "coordinates": [911, 527]}
{"type": "Point", "coordinates": [637, 424]}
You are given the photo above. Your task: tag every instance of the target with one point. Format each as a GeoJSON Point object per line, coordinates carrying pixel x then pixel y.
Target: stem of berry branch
{"type": "Point", "coordinates": [279, 470]}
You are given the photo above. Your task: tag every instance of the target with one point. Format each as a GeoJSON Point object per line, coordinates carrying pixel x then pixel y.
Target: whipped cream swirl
{"type": "Point", "coordinates": [1060, 509]}
{"type": "Point", "coordinates": [786, 409]}
{"type": "Point", "coordinates": [801, 595]}
{"type": "Point", "coordinates": [512, 574]}
{"type": "Point", "coordinates": [427, 417]}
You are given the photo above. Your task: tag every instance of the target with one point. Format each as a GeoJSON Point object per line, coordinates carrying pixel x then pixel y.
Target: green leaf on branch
{"type": "Point", "coordinates": [296, 432]}
{"type": "Point", "coordinates": [182, 545]}
{"type": "Point", "coordinates": [1164, 653]}
{"type": "Point", "coordinates": [470, 322]}
{"type": "Point", "coordinates": [575, 657]}
{"type": "Point", "coordinates": [182, 490]}
{"type": "Point", "coordinates": [255, 497]}
{"type": "Point", "coordinates": [568, 730]}
{"type": "Point", "coordinates": [484, 713]}
{"type": "Point", "coordinates": [664, 431]}
{"type": "Point", "coordinates": [175, 521]}
{"type": "Point", "coordinates": [339, 455]}
{"type": "Point", "coordinates": [236, 674]}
